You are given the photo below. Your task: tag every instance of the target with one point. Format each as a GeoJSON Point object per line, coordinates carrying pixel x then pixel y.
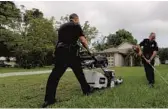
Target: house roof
{"type": "Point", "coordinates": [116, 50]}
{"type": "Point", "coordinates": [123, 43]}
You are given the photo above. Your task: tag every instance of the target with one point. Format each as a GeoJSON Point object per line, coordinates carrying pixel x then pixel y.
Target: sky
{"type": "Point", "coordinates": [139, 17]}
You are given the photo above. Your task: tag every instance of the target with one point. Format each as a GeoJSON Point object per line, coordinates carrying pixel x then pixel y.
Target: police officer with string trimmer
{"type": "Point", "coordinates": [150, 49]}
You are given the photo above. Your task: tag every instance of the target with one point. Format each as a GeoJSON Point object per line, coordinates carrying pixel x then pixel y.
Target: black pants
{"type": "Point", "coordinates": [65, 58]}
{"type": "Point", "coordinates": [149, 72]}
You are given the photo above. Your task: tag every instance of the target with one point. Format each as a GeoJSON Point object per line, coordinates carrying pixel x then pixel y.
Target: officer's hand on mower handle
{"type": "Point", "coordinates": [91, 54]}
{"type": "Point", "coordinates": [93, 57]}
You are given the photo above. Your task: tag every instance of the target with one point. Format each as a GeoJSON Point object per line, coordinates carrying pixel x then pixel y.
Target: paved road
{"type": "Point", "coordinates": [25, 73]}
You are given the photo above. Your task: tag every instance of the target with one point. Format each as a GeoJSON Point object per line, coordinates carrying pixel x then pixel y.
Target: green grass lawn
{"type": "Point", "coordinates": [9, 70]}
{"type": "Point", "coordinates": [28, 91]}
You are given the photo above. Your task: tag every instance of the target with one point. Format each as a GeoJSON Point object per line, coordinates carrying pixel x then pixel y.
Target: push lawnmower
{"type": "Point", "coordinates": [99, 77]}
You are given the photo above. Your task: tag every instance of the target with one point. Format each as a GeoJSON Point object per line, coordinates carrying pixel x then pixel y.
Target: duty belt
{"type": "Point", "coordinates": [66, 45]}
{"type": "Point", "coordinates": [72, 46]}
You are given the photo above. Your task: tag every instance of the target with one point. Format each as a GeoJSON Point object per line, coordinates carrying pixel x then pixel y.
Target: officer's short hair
{"type": "Point", "coordinates": [152, 33]}
{"type": "Point", "coordinates": [72, 16]}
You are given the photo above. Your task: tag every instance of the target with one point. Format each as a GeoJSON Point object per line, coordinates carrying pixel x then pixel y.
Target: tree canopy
{"type": "Point", "coordinates": [29, 36]}
{"type": "Point", "coordinates": [163, 55]}
{"type": "Point", "coordinates": [113, 40]}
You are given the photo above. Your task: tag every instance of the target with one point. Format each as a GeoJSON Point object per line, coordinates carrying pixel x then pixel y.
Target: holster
{"type": "Point", "coordinates": [72, 48]}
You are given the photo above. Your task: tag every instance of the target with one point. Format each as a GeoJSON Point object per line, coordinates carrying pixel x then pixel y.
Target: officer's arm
{"type": "Point", "coordinates": [154, 52]}
{"type": "Point", "coordinates": [82, 38]}
{"type": "Point", "coordinates": [84, 42]}
{"type": "Point", "coordinates": [153, 55]}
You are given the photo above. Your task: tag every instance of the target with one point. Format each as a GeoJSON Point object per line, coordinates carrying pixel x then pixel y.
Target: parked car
{"type": "Point", "coordinates": [4, 64]}
{"type": "Point", "coordinates": [166, 62]}
{"type": "Point", "coordinates": [89, 62]}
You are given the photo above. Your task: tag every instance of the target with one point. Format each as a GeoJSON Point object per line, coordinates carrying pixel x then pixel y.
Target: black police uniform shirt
{"type": "Point", "coordinates": [148, 47]}
{"type": "Point", "coordinates": [69, 33]}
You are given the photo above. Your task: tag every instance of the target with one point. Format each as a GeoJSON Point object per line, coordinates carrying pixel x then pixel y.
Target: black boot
{"type": "Point", "coordinates": [151, 85]}
{"type": "Point", "coordinates": [47, 103]}
{"type": "Point", "coordinates": [90, 91]}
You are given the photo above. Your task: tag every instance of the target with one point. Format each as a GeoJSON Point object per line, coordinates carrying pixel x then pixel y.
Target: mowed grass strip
{"type": "Point", "coordinates": [10, 70]}
{"type": "Point", "coordinates": [28, 91]}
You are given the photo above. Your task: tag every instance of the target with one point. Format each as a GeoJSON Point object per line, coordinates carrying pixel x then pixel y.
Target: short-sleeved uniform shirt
{"type": "Point", "coordinates": [69, 33]}
{"type": "Point", "coordinates": [67, 47]}
{"type": "Point", "coordinates": [148, 47]}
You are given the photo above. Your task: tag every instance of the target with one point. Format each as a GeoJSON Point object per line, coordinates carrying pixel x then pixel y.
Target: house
{"type": "Point", "coordinates": [117, 56]}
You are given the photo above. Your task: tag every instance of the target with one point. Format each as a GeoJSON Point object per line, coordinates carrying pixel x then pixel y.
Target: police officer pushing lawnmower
{"type": "Point", "coordinates": [148, 54]}
{"type": "Point", "coordinates": [66, 55]}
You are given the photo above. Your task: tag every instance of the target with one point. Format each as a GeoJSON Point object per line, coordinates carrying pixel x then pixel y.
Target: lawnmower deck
{"type": "Point", "coordinates": [100, 78]}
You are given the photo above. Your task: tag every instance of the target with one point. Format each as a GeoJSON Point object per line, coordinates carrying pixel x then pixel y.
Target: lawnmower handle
{"type": "Point", "coordinates": [91, 54]}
